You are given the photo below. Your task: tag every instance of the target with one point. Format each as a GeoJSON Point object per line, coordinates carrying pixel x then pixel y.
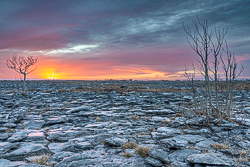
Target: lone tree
{"type": "Point", "coordinates": [21, 65]}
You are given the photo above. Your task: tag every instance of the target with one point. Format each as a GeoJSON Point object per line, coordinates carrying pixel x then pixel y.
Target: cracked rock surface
{"type": "Point", "coordinates": [91, 123]}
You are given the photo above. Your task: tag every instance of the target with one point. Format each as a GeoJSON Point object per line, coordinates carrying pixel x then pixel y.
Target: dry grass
{"type": "Point", "coordinates": [142, 151]}
{"type": "Point", "coordinates": [97, 86]}
{"type": "Point", "coordinates": [242, 153]}
{"type": "Point", "coordinates": [245, 159]}
{"type": "Point", "coordinates": [144, 133]}
{"type": "Point", "coordinates": [218, 146]}
{"type": "Point", "coordinates": [10, 130]}
{"type": "Point", "coordinates": [192, 147]}
{"type": "Point", "coordinates": [134, 117]}
{"type": "Point", "coordinates": [238, 137]}
{"type": "Point", "coordinates": [187, 127]}
{"type": "Point", "coordinates": [129, 145]}
{"type": "Point", "coordinates": [41, 159]}
{"type": "Point", "coordinates": [101, 86]}
{"type": "Point", "coordinates": [150, 129]}
{"type": "Point", "coordinates": [179, 115]}
{"type": "Point", "coordinates": [165, 122]}
{"type": "Point", "coordinates": [206, 151]}
{"type": "Point", "coordinates": [127, 155]}
{"type": "Point", "coordinates": [47, 129]}
{"type": "Point", "coordinates": [98, 119]}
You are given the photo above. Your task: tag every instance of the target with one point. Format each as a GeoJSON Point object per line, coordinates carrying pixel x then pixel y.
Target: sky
{"type": "Point", "coordinates": [115, 39]}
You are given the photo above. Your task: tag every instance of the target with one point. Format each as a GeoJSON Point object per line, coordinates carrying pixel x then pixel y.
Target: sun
{"type": "Point", "coordinates": [51, 74]}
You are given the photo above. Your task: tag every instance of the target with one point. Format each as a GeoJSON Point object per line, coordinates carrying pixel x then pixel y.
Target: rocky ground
{"type": "Point", "coordinates": [117, 123]}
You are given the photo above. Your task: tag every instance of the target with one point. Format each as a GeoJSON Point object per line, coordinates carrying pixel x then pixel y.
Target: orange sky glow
{"type": "Point", "coordinates": [87, 72]}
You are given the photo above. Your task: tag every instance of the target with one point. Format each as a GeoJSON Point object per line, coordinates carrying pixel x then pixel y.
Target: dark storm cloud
{"type": "Point", "coordinates": [113, 23]}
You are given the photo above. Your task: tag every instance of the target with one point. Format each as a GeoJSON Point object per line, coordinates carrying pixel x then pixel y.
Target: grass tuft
{"type": "Point", "coordinates": [134, 117]}
{"type": "Point", "coordinates": [142, 151]}
{"type": "Point", "coordinates": [218, 146]}
{"type": "Point", "coordinates": [243, 153]}
{"type": "Point", "coordinates": [41, 159]}
{"type": "Point", "coordinates": [129, 145]}
{"type": "Point", "coordinates": [192, 147]}
{"type": "Point", "coordinates": [98, 119]}
{"type": "Point", "coordinates": [127, 155]}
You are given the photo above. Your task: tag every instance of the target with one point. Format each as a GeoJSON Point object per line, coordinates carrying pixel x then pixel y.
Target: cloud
{"type": "Point", "coordinates": [72, 49]}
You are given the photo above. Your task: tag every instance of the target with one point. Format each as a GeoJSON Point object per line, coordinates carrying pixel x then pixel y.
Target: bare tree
{"type": "Point", "coordinates": [21, 65]}
{"type": "Point", "coordinates": [209, 45]}
{"type": "Point", "coordinates": [230, 64]}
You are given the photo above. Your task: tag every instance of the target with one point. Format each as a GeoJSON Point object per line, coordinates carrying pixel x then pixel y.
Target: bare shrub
{"type": "Point", "coordinates": [211, 47]}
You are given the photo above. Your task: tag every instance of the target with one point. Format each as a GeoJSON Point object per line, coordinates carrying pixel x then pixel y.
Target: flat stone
{"type": "Point", "coordinates": [211, 159]}
{"type": "Point", "coordinates": [18, 115]}
{"type": "Point", "coordinates": [61, 155]}
{"type": "Point", "coordinates": [9, 125]}
{"type": "Point", "coordinates": [77, 109]}
{"type": "Point", "coordinates": [159, 154]}
{"type": "Point", "coordinates": [5, 147]}
{"type": "Point", "coordinates": [153, 161]}
{"type": "Point", "coordinates": [97, 125]}
{"type": "Point", "coordinates": [160, 119]}
{"type": "Point", "coordinates": [181, 155]}
{"type": "Point", "coordinates": [57, 120]}
{"type": "Point", "coordinates": [33, 165]}
{"type": "Point", "coordinates": [169, 132]}
{"type": "Point", "coordinates": [34, 124]}
{"type": "Point", "coordinates": [3, 129]}
{"type": "Point", "coordinates": [247, 109]}
{"type": "Point", "coordinates": [7, 163]}
{"type": "Point", "coordinates": [176, 144]}
{"type": "Point", "coordinates": [18, 136]}
{"type": "Point", "coordinates": [83, 145]}
{"type": "Point", "coordinates": [180, 164]}
{"type": "Point", "coordinates": [36, 137]}
{"type": "Point", "coordinates": [116, 142]}
{"type": "Point", "coordinates": [4, 136]}
{"type": "Point", "coordinates": [244, 144]}
{"type": "Point", "coordinates": [248, 134]}
{"type": "Point", "coordinates": [69, 147]}
{"type": "Point", "coordinates": [204, 145]}
{"type": "Point", "coordinates": [112, 164]}
{"type": "Point", "coordinates": [25, 150]}
{"type": "Point", "coordinates": [182, 141]}
{"type": "Point", "coordinates": [59, 147]}
{"type": "Point", "coordinates": [61, 136]}
{"type": "Point", "coordinates": [79, 157]}
{"type": "Point", "coordinates": [159, 112]}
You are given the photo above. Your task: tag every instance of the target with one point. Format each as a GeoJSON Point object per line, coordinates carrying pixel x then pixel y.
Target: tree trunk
{"type": "Point", "coordinates": [24, 83]}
